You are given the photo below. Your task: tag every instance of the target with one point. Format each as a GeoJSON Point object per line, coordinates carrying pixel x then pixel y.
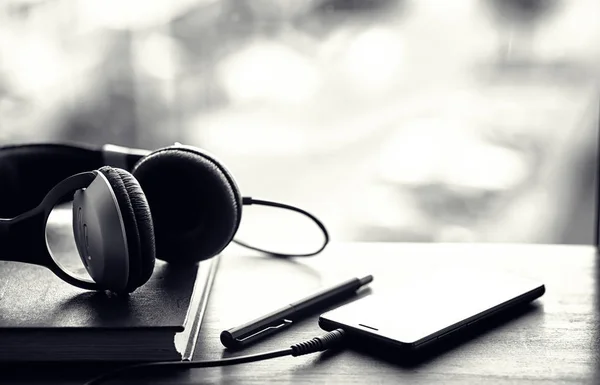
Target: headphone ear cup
{"type": "Point", "coordinates": [137, 220]}
{"type": "Point", "coordinates": [196, 204]}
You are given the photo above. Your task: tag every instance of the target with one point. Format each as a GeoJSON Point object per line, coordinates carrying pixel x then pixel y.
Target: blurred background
{"type": "Point", "coordinates": [392, 120]}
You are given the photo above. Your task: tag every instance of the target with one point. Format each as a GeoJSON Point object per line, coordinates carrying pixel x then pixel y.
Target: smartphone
{"type": "Point", "coordinates": [431, 307]}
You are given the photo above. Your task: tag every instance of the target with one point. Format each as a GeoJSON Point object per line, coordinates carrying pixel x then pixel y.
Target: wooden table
{"type": "Point", "coordinates": [554, 341]}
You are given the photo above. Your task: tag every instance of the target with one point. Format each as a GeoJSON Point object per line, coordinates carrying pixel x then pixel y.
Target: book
{"type": "Point", "coordinates": [43, 319]}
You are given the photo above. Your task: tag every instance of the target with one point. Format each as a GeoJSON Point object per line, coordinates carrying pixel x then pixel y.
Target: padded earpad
{"type": "Point", "coordinates": [195, 202]}
{"type": "Point", "coordinates": [138, 225]}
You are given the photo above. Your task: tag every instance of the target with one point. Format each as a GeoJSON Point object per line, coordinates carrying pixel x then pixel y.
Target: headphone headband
{"type": "Point", "coordinates": [24, 239]}
{"type": "Point", "coordinates": [28, 172]}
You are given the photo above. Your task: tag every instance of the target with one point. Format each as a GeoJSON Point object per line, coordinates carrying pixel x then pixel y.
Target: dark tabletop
{"type": "Point", "coordinates": [552, 341]}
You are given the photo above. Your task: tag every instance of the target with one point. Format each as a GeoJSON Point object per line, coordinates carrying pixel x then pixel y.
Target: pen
{"type": "Point", "coordinates": [279, 319]}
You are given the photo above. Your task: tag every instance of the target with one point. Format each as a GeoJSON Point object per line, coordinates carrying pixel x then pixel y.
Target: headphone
{"type": "Point", "coordinates": [130, 206]}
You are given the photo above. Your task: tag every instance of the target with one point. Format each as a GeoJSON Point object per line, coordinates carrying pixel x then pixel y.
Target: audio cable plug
{"type": "Point", "coordinates": [330, 340]}
{"type": "Point", "coordinates": [319, 344]}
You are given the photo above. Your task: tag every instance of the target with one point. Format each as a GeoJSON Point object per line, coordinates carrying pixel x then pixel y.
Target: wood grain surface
{"type": "Point", "coordinates": [552, 341]}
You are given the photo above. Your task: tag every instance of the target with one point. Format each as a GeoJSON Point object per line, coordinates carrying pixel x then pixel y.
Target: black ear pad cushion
{"type": "Point", "coordinates": [137, 220]}
{"type": "Point", "coordinates": [195, 202]}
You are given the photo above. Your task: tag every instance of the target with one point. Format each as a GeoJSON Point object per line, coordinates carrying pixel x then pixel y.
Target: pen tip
{"type": "Point", "coordinates": [366, 279]}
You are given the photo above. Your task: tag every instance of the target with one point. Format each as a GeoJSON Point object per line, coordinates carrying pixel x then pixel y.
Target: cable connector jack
{"type": "Point", "coordinates": [318, 344]}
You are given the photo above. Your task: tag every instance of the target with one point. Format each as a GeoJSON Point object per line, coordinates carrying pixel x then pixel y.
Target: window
{"type": "Point", "coordinates": [392, 120]}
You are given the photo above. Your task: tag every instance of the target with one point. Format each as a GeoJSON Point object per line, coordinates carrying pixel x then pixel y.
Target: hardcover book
{"type": "Point", "coordinates": [44, 319]}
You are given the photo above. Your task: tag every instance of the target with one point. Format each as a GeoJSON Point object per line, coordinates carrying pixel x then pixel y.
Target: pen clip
{"type": "Point", "coordinates": [270, 329]}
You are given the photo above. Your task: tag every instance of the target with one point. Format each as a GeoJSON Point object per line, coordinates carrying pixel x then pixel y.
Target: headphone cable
{"type": "Point", "coordinates": [247, 201]}
{"type": "Point", "coordinates": [329, 340]}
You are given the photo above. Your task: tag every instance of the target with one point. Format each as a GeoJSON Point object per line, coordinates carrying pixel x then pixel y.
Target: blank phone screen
{"type": "Point", "coordinates": [413, 312]}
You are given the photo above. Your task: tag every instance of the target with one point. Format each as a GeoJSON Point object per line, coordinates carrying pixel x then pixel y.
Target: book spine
{"type": "Point", "coordinates": [185, 342]}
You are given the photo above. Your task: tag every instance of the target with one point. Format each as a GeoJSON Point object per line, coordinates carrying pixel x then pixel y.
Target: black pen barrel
{"type": "Point", "coordinates": [326, 297]}
{"type": "Point", "coordinates": [259, 323]}
{"type": "Point", "coordinates": [283, 317]}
